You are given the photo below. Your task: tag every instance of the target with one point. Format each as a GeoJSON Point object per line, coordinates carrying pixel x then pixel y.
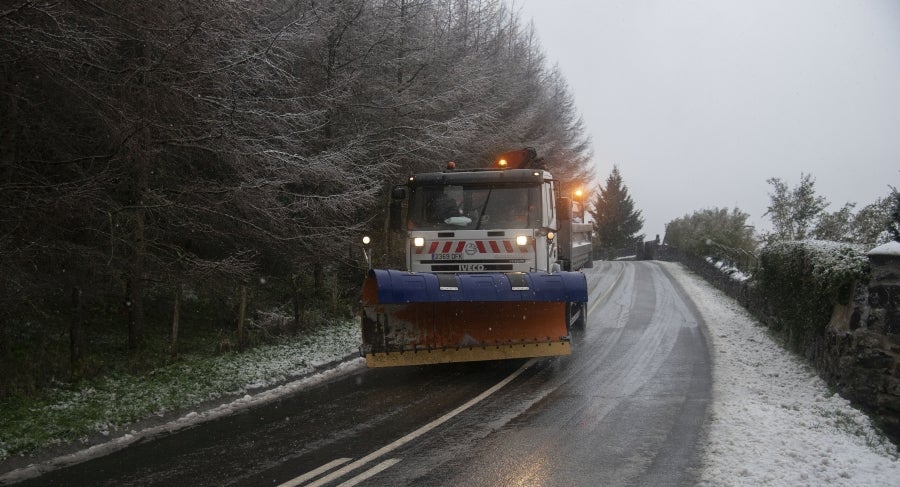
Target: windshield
{"type": "Point", "coordinates": [474, 207]}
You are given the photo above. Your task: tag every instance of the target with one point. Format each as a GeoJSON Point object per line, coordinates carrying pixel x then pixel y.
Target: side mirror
{"type": "Point", "coordinates": [564, 208]}
{"type": "Point", "coordinates": [398, 194]}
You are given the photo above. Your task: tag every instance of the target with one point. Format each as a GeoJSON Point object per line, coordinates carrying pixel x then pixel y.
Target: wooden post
{"type": "Point", "coordinates": [296, 300]}
{"type": "Point", "coordinates": [4, 339]}
{"type": "Point", "coordinates": [241, 315]}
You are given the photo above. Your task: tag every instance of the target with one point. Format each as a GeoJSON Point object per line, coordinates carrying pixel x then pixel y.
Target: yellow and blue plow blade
{"type": "Point", "coordinates": [416, 318]}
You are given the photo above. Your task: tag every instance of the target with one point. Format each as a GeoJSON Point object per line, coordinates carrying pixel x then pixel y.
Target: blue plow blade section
{"type": "Point", "coordinates": [422, 287]}
{"type": "Point", "coordinates": [420, 318]}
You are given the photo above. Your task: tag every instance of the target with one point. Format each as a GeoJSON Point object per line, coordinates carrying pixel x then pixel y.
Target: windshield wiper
{"type": "Point", "coordinates": [483, 209]}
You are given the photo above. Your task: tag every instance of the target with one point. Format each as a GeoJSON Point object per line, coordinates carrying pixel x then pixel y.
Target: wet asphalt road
{"type": "Point", "coordinates": [627, 408]}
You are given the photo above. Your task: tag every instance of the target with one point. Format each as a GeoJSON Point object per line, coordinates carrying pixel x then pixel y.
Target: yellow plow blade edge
{"type": "Point", "coordinates": [426, 357]}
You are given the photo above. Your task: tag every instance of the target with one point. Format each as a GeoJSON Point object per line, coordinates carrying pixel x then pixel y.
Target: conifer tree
{"type": "Point", "coordinates": [893, 226]}
{"type": "Point", "coordinates": [616, 222]}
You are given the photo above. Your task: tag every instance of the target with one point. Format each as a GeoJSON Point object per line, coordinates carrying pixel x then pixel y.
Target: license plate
{"type": "Point", "coordinates": [446, 256]}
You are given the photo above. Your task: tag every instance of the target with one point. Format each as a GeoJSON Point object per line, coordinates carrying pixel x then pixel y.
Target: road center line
{"type": "Point", "coordinates": [370, 472]}
{"type": "Point", "coordinates": [417, 433]}
{"type": "Point", "coordinates": [315, 473]}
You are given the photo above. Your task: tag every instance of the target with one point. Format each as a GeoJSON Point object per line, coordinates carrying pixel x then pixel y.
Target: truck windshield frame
{"type": "Point", "coordinates": [474, 207]}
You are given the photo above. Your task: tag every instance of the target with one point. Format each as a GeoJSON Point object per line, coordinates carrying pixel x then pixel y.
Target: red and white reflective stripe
{"type": "Point", "coordinates": [483, 247]}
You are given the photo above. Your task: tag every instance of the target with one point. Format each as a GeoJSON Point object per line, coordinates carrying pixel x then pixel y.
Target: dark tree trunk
{"type": "Point", "coordinates": [140, 174]}
{"type": "Point", "coordinates": [176, 312]}
{"type": "Point", "coordinates": [4, 338]}
{"type": "Point", "coordinates": [76, 334]}
{"type": "Point", "coordinates": [318, 278]}
{"type": "Point", "coordinates": [9, 125]}
{"type": "Point", "coordinates": [241, 316]}
{"type": "Point", "coordinates": [297, 300]}
{"type": "Point", "coordinates": [136, 284]}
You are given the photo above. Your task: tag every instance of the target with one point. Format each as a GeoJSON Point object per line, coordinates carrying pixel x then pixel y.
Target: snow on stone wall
{"type": "Point", "coordinates": [861, 355]}
{"type": "Point", "coordinates": [858, 352]}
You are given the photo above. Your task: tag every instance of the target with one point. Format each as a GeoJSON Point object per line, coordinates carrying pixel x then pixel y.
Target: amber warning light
{"type": "Point", "coordinates": [517, 159]}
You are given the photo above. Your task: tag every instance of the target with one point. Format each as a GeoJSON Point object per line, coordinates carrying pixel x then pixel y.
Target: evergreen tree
{"type": "Point", "coordinates": [893, 226]}
{"type": "Point", "coordinates": [616, 222]}
{"type": "Point", "coordinates": [150, 147]}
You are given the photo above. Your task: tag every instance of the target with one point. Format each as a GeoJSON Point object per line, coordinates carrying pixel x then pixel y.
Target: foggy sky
{"type": "Point", "coordinates": [699, 102]}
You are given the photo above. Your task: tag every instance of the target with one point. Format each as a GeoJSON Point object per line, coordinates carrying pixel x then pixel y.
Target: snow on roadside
{"type": "Point", "coordinates": [255, 377]}
{"type": "Point", "coordinates": [190, 419]}
{"type": "Point", "coordinates": [772, 420]}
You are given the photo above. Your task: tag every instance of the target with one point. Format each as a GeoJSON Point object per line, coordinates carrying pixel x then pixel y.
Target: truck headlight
{"type": "Point", "coordinates": [419, 241]}
{"type": "Point", "coordinates": [521, 240]}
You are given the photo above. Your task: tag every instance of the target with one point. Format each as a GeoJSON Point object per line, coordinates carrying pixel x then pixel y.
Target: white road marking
{"type": "Point", "coordinates": [612, 286]}
{"type": "Point", "coordinates": [315, 473]}
{"type": "Point", "coordinates": [415, 434]}
{"type": "Point", "coordinates": [370, 472]}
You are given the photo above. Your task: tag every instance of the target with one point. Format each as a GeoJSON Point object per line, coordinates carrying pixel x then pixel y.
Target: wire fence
{"type": "Point", "coordinates": [728, 269]}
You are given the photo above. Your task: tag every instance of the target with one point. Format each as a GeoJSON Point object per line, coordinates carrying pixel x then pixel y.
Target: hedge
{"type": "Point", "coordinates": [802, 281]}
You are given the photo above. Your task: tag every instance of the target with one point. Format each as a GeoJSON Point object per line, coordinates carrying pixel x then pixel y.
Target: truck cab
{"type": "Point", "coordinates": [481, 221]}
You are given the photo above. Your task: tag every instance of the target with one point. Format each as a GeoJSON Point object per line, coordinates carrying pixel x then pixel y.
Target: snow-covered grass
{"type": "Point", "coordinates": [118, 399]}
{"type": "Point", "coordinates": [773, 421]}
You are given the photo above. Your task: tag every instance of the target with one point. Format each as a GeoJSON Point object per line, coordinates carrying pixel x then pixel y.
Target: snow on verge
{"type": "Point", "coordinates": [190, 419]}
{"type": "Point", "coordinates": [772, 420]}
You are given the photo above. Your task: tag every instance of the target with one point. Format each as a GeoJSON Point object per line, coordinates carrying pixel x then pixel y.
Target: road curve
{"type": "Point", "coordinates": [628, 408]}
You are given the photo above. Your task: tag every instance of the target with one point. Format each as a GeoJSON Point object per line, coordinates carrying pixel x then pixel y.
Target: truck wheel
{"type": "Point", "coordinates": [582, 316]}
{"type": "Point", "coordinates": [576, 315]}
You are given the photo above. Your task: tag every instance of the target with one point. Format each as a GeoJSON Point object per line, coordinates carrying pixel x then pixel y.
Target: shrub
{"type": "Point", "coordinates": [803, 281]}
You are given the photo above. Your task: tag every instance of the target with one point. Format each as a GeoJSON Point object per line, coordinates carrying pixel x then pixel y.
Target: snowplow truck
{"type": "Point", "coordinates": [492, 257]}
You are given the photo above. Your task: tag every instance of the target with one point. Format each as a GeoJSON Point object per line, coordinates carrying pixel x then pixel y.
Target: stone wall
{"type": "Point", "coordinates": [860, 355]}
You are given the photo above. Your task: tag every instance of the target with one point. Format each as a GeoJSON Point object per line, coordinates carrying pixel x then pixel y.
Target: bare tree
{"type": "Point", "coordinates": [793, 211]}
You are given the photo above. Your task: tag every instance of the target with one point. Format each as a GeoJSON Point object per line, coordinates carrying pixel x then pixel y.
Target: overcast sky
{"type": "Point", "coordinates": [699, 102]}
